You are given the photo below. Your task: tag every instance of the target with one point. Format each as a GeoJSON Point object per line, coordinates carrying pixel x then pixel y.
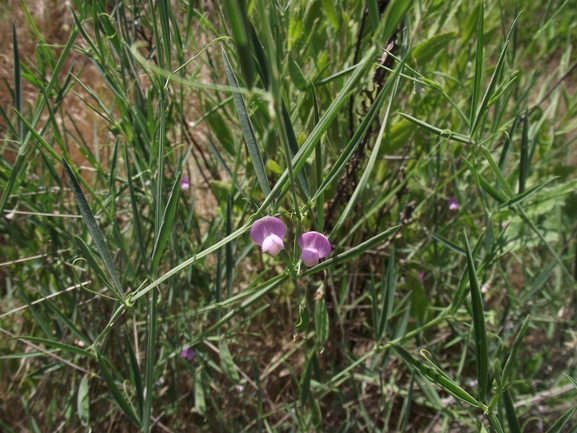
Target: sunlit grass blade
{"type": "Point", "coordinates": [94, 230]}
{"type": "Point", "coordinates": [247, 129]}
{"type": "Point", "coordinates": [482, 350]}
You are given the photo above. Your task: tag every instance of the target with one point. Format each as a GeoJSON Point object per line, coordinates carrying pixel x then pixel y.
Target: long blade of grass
{"type": "Point", "coordinates": [437, 378]}
{"type": "Point", "coordinates": [236, 13]}
{"type": "Point", "coordinates": [514, 351]}
{"type": "Point", "coordinates": [561, 422]}
{"type": "Point", "coordinates": [524, 158]}
{"type": "Point", "coordinates": [94, 230]}
{"type": "Point", "coordinates": [117, 395]}
{"type": "Point", "coordinates": [493, 83]}
{"type": "Point", "coordinates": [478, 66]}
{"type": "Point", "coordinates": [247, 129]}
{"type": "Point", "coordinates": [166, 222]}
{"type": "Point", "coordinates": [482, 353]}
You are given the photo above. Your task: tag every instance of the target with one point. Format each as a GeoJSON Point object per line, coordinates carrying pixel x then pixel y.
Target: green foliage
{"type": "Point", "coordinates": [356, 119]}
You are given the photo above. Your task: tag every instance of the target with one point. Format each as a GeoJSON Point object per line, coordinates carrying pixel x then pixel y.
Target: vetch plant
{"type": "Point", "coordinates": [268, 233]}
{"type": "Point", "coordinates": [315, 246]}
{"type": "Point", "coordinates": [188, 354]}
{"type": "Point", "coordinates": [185, 183]}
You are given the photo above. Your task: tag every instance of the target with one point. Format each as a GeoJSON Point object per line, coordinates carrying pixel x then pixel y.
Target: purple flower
{"type": "Point", "coordinates": [422, 276]}
{"type": "Point", "coordinates": [188, 354]}
{"type": "Point", "coordinates": [453, 204]}
{"type": "Point", "coordinates": [268, 233]}
{"type": "Point", "coordinates": [184, 183]}
{"type": "Point", "coordinates": [315, 246]}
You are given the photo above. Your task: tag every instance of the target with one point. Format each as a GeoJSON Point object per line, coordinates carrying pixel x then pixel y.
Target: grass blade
{"type": "Point", "coordinates": [478, 66]}
{"type": "Point", "coordinates": [166, 222]}
{"type": "Point", "coordinates": [116, 394]}
{"type": "Point", "coordinates": [437, 378]}
{"type": "Point", "coordinates": [247, 129]}
{"type": "Point", "coordinates": [236, 13]}
{"type": "Point", "coordinates": [93, 229]}
{"type": "Point", "coordinates": [482, 355]}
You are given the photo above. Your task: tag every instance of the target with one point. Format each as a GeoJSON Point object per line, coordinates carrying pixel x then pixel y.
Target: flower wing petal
{"type": "Point", "coordinates": [265, 227]}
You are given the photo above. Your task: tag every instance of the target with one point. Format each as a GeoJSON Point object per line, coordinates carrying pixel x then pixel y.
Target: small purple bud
{"type": "Point", "coordinates": [453, 204]}
{"type": "Point", "coordinates": [188, 354]}
{"type": "Point", "coordinates": [268, 233]}
{"type": "Point", "coordinates": [184, 183]}
{"type": "Point", "coordinates": [422, 277]}
{"type": "Point", "coordinates": [315, 246]}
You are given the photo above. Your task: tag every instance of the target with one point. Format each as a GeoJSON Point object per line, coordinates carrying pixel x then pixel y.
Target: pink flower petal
{"type": "Point", "coordinates": [265, 227]}
{"type": "Point", "coordinates": [316, 241]}
{"type": "Point", "coordinates": [310, 257]}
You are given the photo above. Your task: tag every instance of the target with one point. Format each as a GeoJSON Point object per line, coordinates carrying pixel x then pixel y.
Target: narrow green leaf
{"type": "Point", "coordinates": [199, 402]}
{"type": "Point", "coordinates": [427, 50]}
{"type": "Point", "coordinates": [60, 346]}
{"type": "Point", "coordinates": [135, 375]}
{"type": "Point", "coordinates": [437, 378]}
{"type": "Point", "coordinates": [512, 420]}
{"type": "Point", "coordinates": [227, 363]}
{"type": "Point", "coordinates": [236, 12]}
{"type": "Point", "coordinates": [17, 82]}
{"type": "Point", "coordinates": [331, 14]}
{"type": "Point", "coordinates": [561, 422]}
{"type": "Point", "coordinates": [445, 133]}
{"type": "Point", "coordinates": [322, 321]}
{"type": "Point", "coordinates": [92, 262]}
{"type": "Point", "coordinates": [373, 14]}
{"type": "Point", "coordinates": [166, 223]}
{"type": "Point", "coordinates": [306, 377]}
{"type": "Point", "coordinates": [524, 159]}
{"type": "Point", "coordinates": [478, 65]}
{"type": "Point", "coordinates": [229, 258]}
{"type": "Point", "coordinates": [163, 6]}
{"type": "Point", "coordinates": [514, 351]}
{"type": "Point", "coordinates": [484, 106]}
{"type": "Point", "coordinates": [83, 402]}
{"type": "Point", "coordinates": [296, 74]}
{"type": "Point", "coordinates": [388, 294]}
{"type": "Point", "coordinates": [247, 129]}
{"type": "Point", "coordinates": [482, 350]}
{"type": "Point", "coordinates": [135, 212]}
{"type": "Point", "coordinates": [524, 196]}
{"type": "Point", "coordinates": [116, 393]}
{"type": "Point", "coordinates": [93, 229]}
{"type": "Point", "coordinates": [394, 13]}
{"type": "Point", "coordinates": [484, 184]}
{"type": "Point", "coordinates": [303, 319]}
